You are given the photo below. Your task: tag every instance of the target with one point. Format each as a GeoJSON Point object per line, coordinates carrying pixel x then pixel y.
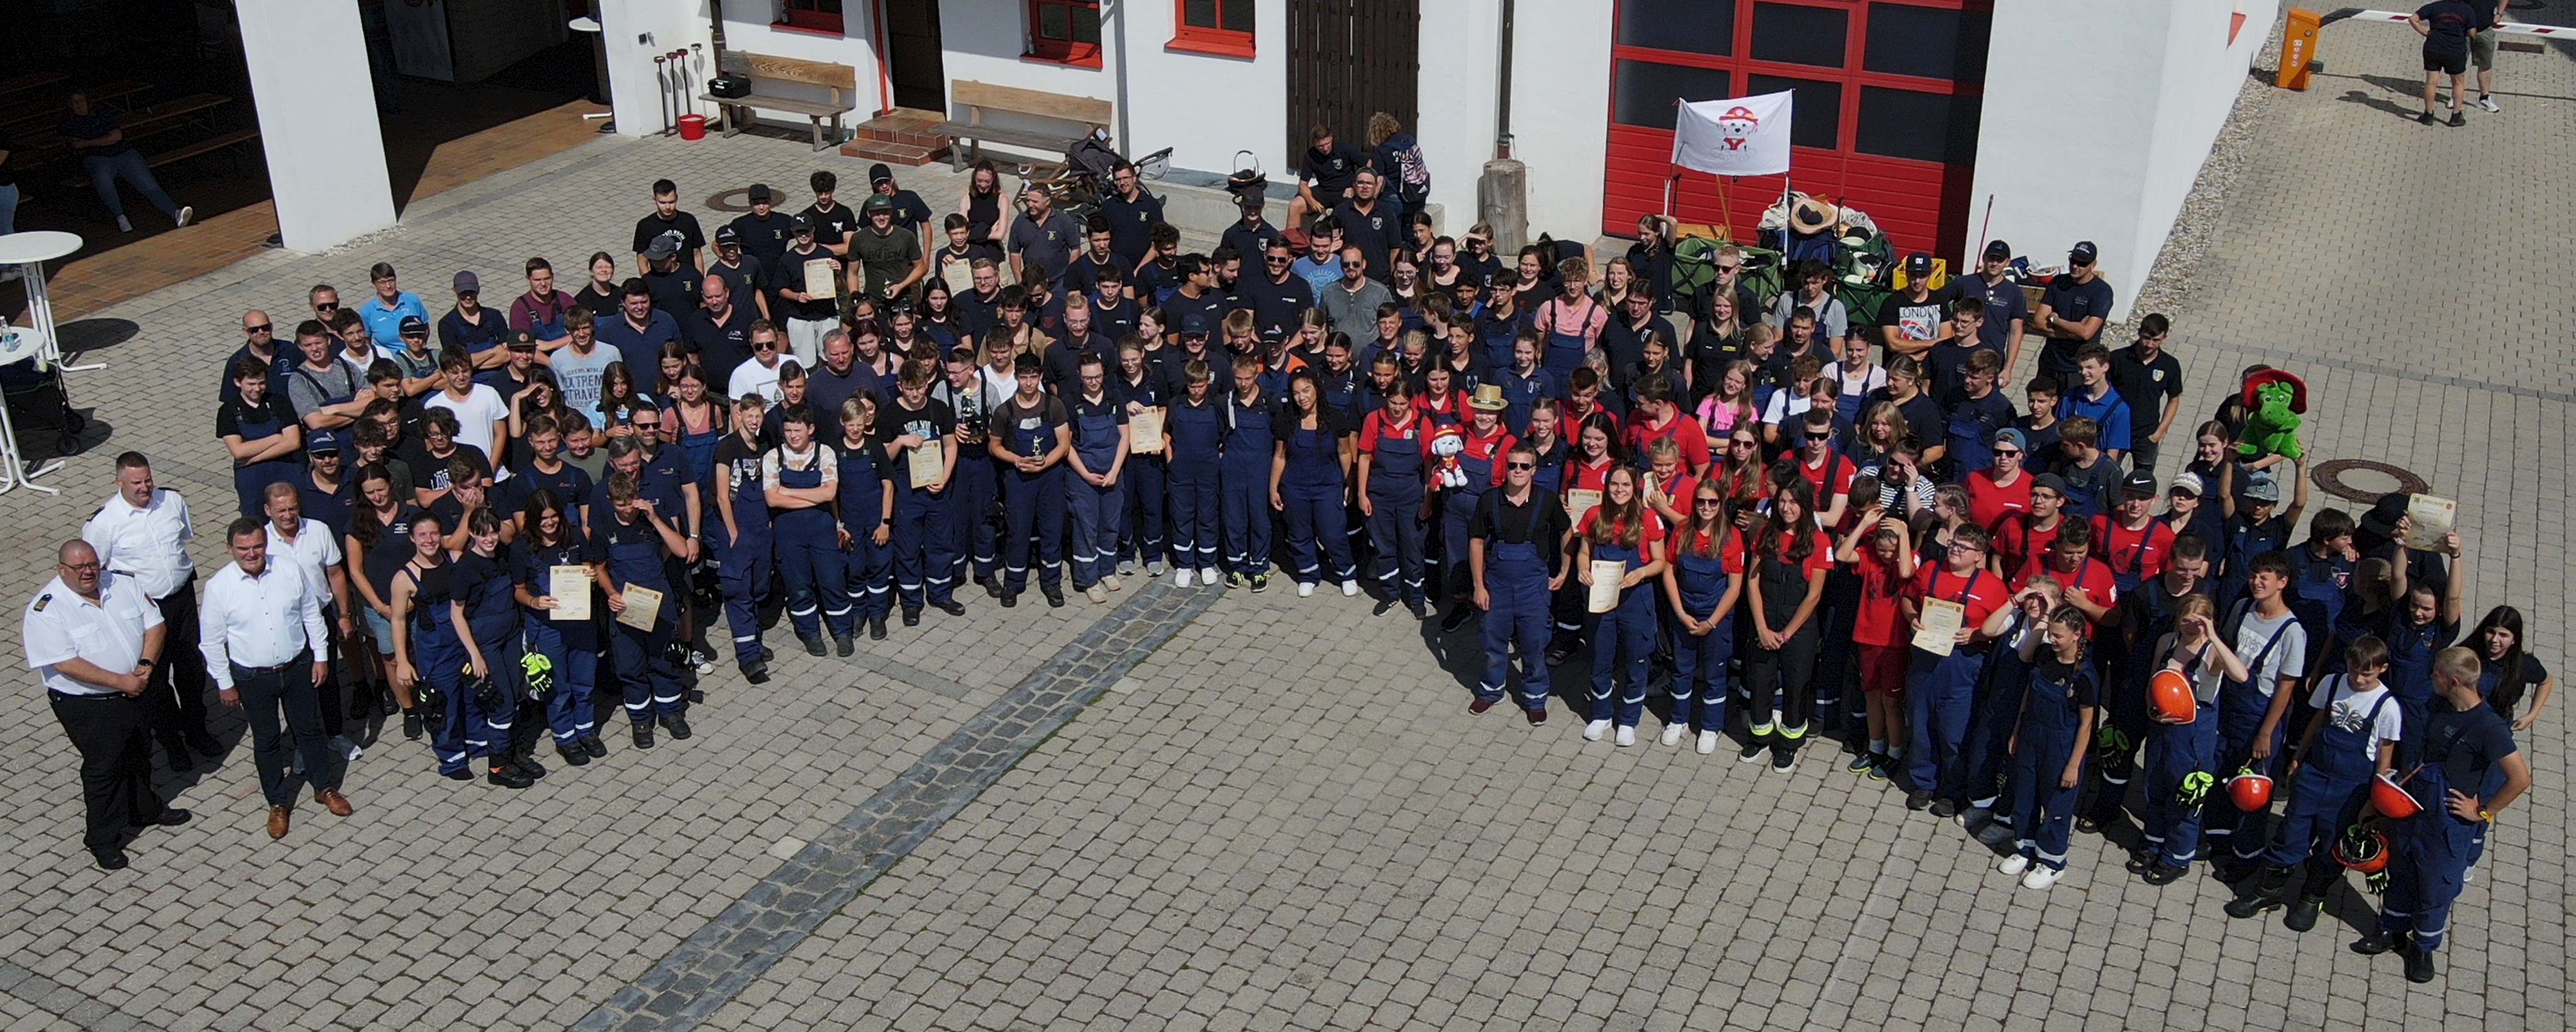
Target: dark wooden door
{"type": "Point", "coordinates": [912, 45]}
{"type": "Point", "coordinates": [1348, 59]}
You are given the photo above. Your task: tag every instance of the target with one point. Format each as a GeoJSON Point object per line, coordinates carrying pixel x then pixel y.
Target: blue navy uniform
{"type": "Point", "coordinates": [2241, 708]}
{"type": "Point", "coordinates": [1395, 492]}
{"type": "Point", "coordinates": [924, 551]}
{"type": "Point", "coordinates": [1314, 487]}
{"type": "Point", "coordinates": [1521, 556]}
{"type": "Point", "coordinates": [2411, 648]}
{"type": "Point", "coordinates": [1032, 503]}
{"type": "Point", "coordinates": [1626, 634]}
{"type": "Point", "coordinates": [483, 586]}
{"type": "Point", "coordinates": [974, 547]}
{"type": "Point", "coordinates": [571, 647]}
{"type": "Point", "coordinates": [2181, 767]}
{"type": "Point", "coordinates": [2334, 775]}
{"type": "Point", "coordinates": [1701, 688]}
{"type": "Point", "coordinates": [1520, 392]}
{"type": "Point", "coordinates": [1941, 691]}
{"type": "Point", "coordinates": [2432, 850]}
{"type": "Point", "coordinates": [1243, 480]}
{"type": "Point", "coordinates": [1095, 512]}
{"type": "Point", "coordinates": [646, 669]}
{"type": "Point", "coordinates": [869, 571]}
{"type": "Point", "coordinates": [1144, 485]}
{"type": "Point", "coordinates": [742, 561]}
{"type": "Point", "coordinates": [808, 543]}
{"type": "Point", "coordinates": [1195, 431]}
{"type": "Point", "coordinates": [438, 657]}
{"type": "Point", "coordinates": [2053, 724]}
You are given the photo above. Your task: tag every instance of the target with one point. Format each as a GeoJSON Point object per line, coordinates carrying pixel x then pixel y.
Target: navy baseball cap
{"type": "Point", "coordinates": [323, 441]}
{"type": "Point", "coordinates": [413, 324]}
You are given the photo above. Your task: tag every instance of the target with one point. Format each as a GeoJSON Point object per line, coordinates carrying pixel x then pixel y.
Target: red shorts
{"type": "Point", "coordinates": [1882, 670]}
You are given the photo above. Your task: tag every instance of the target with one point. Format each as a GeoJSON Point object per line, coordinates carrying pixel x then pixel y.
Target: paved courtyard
{"type": "Point", "coordinates": [1205, 810]}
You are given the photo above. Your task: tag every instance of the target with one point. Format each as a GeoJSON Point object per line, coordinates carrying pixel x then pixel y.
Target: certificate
{"type": "Point", "coordinates": [1578, 502]}
{"type": "Point", "coordinates": [960, 277]}
{"type": "Point", "coordinates": [1941, 620]}
{"type": "Point", "coordinates": [1145, 432]}
{"type": "Point", "coordinates": [1606, 574]}
{"type": "Point", "coordinates": [642, 606]}
{"type": "Point", "coordinates": [820, 281]}
{"type": "Point", "coordinates": [927, 462]}
{"type": "Point", "coordinates": [2428, 519]}
{"type": "Point", "coordinates": [570, 588]}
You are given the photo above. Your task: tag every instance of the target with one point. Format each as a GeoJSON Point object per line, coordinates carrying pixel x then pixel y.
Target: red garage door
{"type": "Point", "coordinates": [1886, 110]}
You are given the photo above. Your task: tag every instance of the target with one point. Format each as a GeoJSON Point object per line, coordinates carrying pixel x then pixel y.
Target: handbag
{"type": "Point", "coordinates": [729, 87]}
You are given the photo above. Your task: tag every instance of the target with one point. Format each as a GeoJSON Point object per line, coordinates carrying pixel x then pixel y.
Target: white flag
{"type": "Point", "coordinates": [1746, 136]}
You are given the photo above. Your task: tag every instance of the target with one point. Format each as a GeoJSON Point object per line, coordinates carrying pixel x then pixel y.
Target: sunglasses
{"type": "Point", "coordinates": [1274, 259]}
{"type": "Point", "coordinates": [1820, 437]}
{"type": "Point", "coordinates": [261, 328]}
{"type": "Point", "coordinates": [1729, 268]}
{"type": "Point", "coordinates": [1520, 465]}
{"type": "Point", "coordinates": [327, 306]}
{"type": "Point", "coordinates": [2007, 453]}
{"type": "Point", "coordinates": [1708, 503]}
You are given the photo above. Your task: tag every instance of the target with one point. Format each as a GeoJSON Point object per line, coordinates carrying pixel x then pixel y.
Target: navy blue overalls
{"type": "Point", "coordinates": [1940, 698]}
{"type": "Point", "coordinates": [646, 668]}
{"type": "Point", "coordinates": [1244, 485]}
{"type": "Point", "coordinates": [1143, 485]}
{"type": "Point", "coordinates": [2052, 722]}
{"type": "Point", "coordinates": [809, 551]}
{"type": "Point", "coordinates": [2241, 707]}
{"type": "Point", "coordinates": [1516, 577]}
{"type": "Point", "coordinates": [2432, 850]}
{"type": "Point", "coordinates": [2125, 714]}
{"type": "Point", "coordinates": [2245, 540]}
{"type": "Point", "coordinates": [1395, 491]}
{"type": "Point", "coordinates": [2181, 768]}
{"type": "Point", "coordinates": [251, 481]}
{"type": "Point", "coordinates": [699, 447]}
{"type": "Point", "coordinates": [1032, 506]}
{"type": "Point", "coordinates": [2410, 677]}
{"type": "Point", "coordinates": [571, 647]}
{"type": "Point", "coordinates": [439, 658]}
{"type": "Point", "coordinates": [2334, 779]}
{"type": "Point", "coordinates": [973, 488]}
{"type": "Point", "coordinates": [1496, 336]}
{"type": "Point", "coordinates": [1313, 488]}
{"type": "Point", "coordinates": [1625, 638]}
{"type": "Point", "coordinates": [867, 568]}
{"type": "Point", "coordinates": [1520, 392]}
{"type": "Point", "coordinates": [1458, 505]}
{"type": "Point", "coordinates": [1097, 512]}
{"type": "Point", "coordinates": [1700, 688]}
{"type": "Point", "coordinates": [1998, 713]}
{"type": "Point", "coordinates": [492, 616]}
{"type": "Point", "coordinates": [743, 563]}
{"type": "Point", "coordinates": [1195, 430]}
{"type": "Point", "coordinates": [1564, 352]}
{"type": "Point", "coordinates": [923, 549]}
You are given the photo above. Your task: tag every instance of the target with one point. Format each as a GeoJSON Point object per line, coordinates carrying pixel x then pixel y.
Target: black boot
{"type": "Point", "coordinates": [2379, 941]}
{"type": "Point", "coordinates": [2419, 961]}
{"type": "Point", "coordinates": [2266, 894]}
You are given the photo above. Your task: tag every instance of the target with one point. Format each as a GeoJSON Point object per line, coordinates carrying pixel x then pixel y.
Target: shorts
{"type": "Point", "coordinates": [379, 629]}
{"type": "Point", "coordinates": [1882, 670]}
{"type": "Point", "coordinates": [2446, 64]}
{"type": "Point", "coordinates": [2482, 48]}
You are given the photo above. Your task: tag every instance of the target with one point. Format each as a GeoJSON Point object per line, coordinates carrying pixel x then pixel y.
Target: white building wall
{"type": "Point", "coordinates": [983, 41]}
{"type": "Point", "coordinates": [2102, 143]}
{"type": "Point", "coordinates": [1204, 106]}
{"type": "Point", "coordinates": [1457, 101]}
{"type": "Point", "coordinates": [747, 29]}
{"type": "Point", "coordinates": [637, 30]}
{"type": "Point", "coordinates": [310, 84]}
{"type": "Point", "coordinates": [1561, 111]}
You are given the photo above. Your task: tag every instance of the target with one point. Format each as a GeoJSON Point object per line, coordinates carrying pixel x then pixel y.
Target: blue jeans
{"type": "Point", "coordinates": [8, 209]}
{"type": "Point", "coordinates": [104, 172]}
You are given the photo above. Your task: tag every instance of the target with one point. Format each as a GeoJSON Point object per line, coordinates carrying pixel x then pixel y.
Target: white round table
{"type": "Point", "coordinates": [29, 252]}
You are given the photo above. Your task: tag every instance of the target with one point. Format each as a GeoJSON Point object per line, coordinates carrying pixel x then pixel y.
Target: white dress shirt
{"type": "Point", "coordinates": [60, 625]}
{"type": "Point", "coordinates": [151, 543]}
{"type": "Point", "coordinates": [261, 621]}
{"type": "Point", "coordinates": [315, 549]}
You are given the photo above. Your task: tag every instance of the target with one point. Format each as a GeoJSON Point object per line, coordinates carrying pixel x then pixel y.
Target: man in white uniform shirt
{"type": "Point", "coordinates": [143, 531]}
{"type": "Point", "coordinates": [94, 637]}
{"type": "Point", "coordinates": [259, 625]}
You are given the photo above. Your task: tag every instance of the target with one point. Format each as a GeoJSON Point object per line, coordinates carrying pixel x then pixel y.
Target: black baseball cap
{"type": "Point", "coordinates": [413, 324]}
{"type": "Point", "coordinates": [727, 235]}
{"type": "Point", "coordinates": [2082, 253]}
{"type": "Point", "coordinates": [759, 193]}
{"type": "Point", "coordinates": [1917, 266]}
{"type": "Point", "coordinates": [2140, 483]}
{"type": "Point", "coordinates": [1997, 250]}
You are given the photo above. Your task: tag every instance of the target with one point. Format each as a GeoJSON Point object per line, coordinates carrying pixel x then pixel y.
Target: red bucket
{"type": "Point", "coordinates": [693, 127]}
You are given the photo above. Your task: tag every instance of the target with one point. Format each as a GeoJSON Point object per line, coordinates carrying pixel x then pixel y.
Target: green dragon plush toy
{"type": "Point", "coordinates": [2273, 400]}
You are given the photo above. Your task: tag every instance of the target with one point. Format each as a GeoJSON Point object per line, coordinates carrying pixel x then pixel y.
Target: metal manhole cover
{"type": "Point", "coordinates": [2364, 480]}
{"type": "Point", "coordinates": [737, 200]}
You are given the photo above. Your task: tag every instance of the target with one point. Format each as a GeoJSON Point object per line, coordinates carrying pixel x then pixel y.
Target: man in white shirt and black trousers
{"type": "Point", "coordinates": [95, 636]}
{"type": "Point", "coordinates": [260, 623]}
{"type": "Point", "coordinates": [143, 532]}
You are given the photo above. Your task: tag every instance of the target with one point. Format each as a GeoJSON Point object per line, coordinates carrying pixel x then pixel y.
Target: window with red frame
{"type": "Point", "coordinates": [1214, 27]}
{"type": "Point", "coordinates": [1065, 30]}
{"type": "Point", "coordinates": [811, 15]}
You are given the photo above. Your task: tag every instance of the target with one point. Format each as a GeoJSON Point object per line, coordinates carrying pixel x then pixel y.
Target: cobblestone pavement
{"type": "Point", "coordinates": [1247, 830]}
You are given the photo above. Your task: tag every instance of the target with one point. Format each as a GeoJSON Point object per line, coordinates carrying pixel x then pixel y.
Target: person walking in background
{"type": "Point", "coordinates": [2445, 26]}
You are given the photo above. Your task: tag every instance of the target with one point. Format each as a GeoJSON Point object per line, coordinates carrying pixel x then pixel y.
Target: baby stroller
{"type": "Point", "coordinates": [1078, 184]}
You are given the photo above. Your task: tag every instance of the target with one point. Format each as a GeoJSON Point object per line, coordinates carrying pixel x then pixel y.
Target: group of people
{"type": "Point", "coordinates": [1790, 519]}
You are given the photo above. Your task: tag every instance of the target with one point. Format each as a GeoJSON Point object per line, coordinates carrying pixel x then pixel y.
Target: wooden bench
{"type": "Point", "coordinates": [978, 97]}
{"type": "Point", "coordinates": [28, 82]}
{"type": "Point", "coordinates": [185, 151]}
{"type": "Point", "coordinates": [99, 96]}
{"type": "Point", "coordinates": [840, 80]}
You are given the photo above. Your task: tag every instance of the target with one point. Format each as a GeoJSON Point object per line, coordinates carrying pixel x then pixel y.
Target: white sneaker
{"type": "Point", "coordinates": [186, 215]}
{"type": "Point", "coordinates": [1627, 736]}
{"type": "Point", "coordinates": [1183, 579]}
{"type": "Point", "coordinates": [1593, 731]}
{"type": "Point", "coordinates": [124, 225]}
{"type": "Point", "coordinates": [1095, 594]}
{"type": "Point", "coordinates": [2041, 877]}
{"type": "Point", "coordinates": [1208, 576]}
{"type": "Point", "coordinates": [1112, 583]}
{"type": "Point", "coordinates": [2014, 864]}
{"type": "Point", "coordinates": [1707, 742]}
{"type": "Point", "coordinates": [1673, 733]}
{"type": "Point", "coordinates": [2488, 102]}
{"type": "Point", "coordinates": [1350, 588]}
{"type": "Point", "coordinates": [1305, 590]}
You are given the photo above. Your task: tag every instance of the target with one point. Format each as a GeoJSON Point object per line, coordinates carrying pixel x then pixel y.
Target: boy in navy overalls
{"type": "Point", "coordinates": [744, 552]}
{"type": "Point", "coordinates": [2352, 739]}
{"type": "Point", "coordinates": [1030, 438]}
{"type": "Point", "coordinates": [632, 549]}
{"type": "Point", "coordinates": [2466, 744]}
{"type": "Point", "coordinates": [1193, 429]}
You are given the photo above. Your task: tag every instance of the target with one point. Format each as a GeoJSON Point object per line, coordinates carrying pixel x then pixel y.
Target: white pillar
{"type": "Point", "coordinates": [309, 81]}
{"type": "Point", "coordinates": [635, 31]}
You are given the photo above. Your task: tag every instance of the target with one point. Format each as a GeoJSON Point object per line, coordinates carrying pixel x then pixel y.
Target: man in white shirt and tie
{"type": "Point", "coordinates": [260, 623]}
{"type": "Point", "coordinates": [95, 637]}
{"type": "Point", "coordinates": [143, 532]}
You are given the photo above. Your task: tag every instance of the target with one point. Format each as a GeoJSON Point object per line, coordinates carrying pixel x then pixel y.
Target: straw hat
{"type": "Point", "coordinates": [1810, 215]}
{"type": "Point", "coordinates": [1488, 398]}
